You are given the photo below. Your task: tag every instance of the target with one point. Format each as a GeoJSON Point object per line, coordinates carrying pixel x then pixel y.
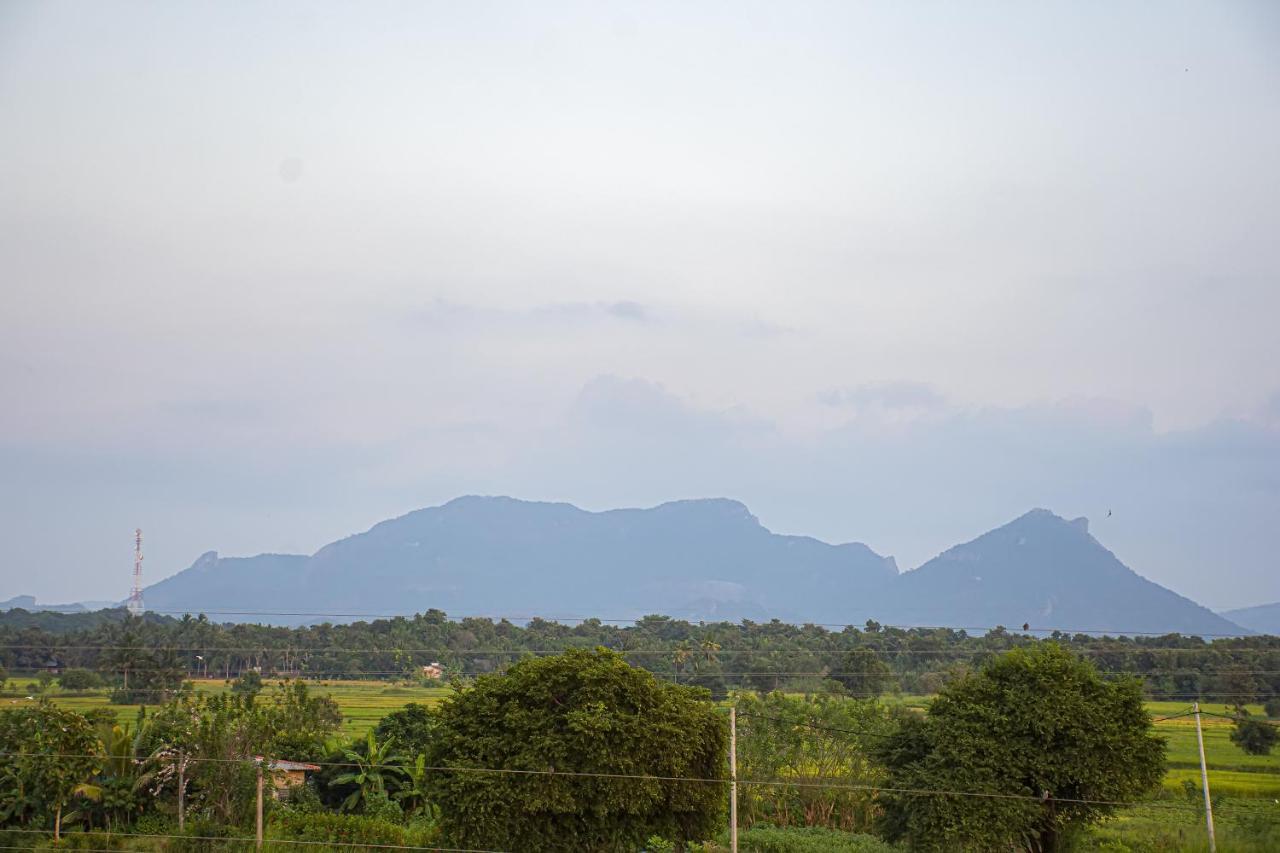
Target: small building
{"type": "Point", "coordinates": [287, 775]}
{"type": "Point", "coordinates": [53, 666]}
{"type": "Point", "coordinates": [433, 670]}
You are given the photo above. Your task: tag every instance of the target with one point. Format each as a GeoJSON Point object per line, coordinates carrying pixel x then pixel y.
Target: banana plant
{"type": "Point", "coordinates": [372, 770]}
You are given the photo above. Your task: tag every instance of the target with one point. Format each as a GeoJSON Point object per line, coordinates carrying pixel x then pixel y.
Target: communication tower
{"type": "Point", "coordinates": [135, 605]}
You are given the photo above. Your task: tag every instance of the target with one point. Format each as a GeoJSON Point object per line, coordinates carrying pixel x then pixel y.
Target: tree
{"type": "Point", "coordinates": [1256, 737]}
{"type": "Point", "coordinates": [79, 679]}
{"type": "Point", "coordinates": [413, 728]}
{"type": "Point", "coordinates": [378, 763]}
{"type": "Point", "coordinates": [1035, 745]}
{"type": "Point", "coordinates": [51, 756]}
{"type": "Point", "coordinates": [864, 674]}
{"type": "Point", "coordinates": [558, 720]}
{"type": "Point", "coordinates": [1272, 707]}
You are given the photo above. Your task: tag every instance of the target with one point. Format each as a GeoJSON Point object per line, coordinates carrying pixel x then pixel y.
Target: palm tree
{"type": "Point", "coordinates": [371, 770]}
{"type": "Point", "coordinates": [681, 656]}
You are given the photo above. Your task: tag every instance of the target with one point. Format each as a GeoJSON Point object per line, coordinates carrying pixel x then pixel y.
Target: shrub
{"type": "Point", "coordinates": [808, 839]}
{"type": "Point", "coordinates": [249, 683]}
{"type": "Point", "coordinates": [90, 841]}
{"type": "Point", "coordinates": [327, 827]}
{"type": "Point", "coordinates": [202, 836]}
{"type": "Point", "coordinates": [1273, 707]}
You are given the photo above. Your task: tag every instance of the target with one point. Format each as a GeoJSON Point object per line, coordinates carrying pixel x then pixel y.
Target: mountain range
{"type": "Point", "coordinates": [1264, 619]}
{"type": "Point", "coordinates": [696, 559]}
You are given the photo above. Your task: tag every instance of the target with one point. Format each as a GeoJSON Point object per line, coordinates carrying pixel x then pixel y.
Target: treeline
{"type": "Point", "coordinates": [155, 653]}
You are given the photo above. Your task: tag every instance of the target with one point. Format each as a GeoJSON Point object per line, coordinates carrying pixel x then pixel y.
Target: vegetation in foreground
{"type": "Point", "coordinates": [1038, 730]}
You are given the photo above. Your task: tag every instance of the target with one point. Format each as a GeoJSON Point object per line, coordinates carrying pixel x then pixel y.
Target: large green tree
{"type": "Point", "coordinates": [577, 713]}
{"type": "Point", "coordinates": [49, 757]}
{"type": "Point", "coordinates": [1033, 746]}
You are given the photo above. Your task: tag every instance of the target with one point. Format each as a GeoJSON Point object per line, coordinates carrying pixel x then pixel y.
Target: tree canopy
{"type": "Point", "coordinates": [582, 712]}
{"type": "Point", "coordinates": [1038, 743]}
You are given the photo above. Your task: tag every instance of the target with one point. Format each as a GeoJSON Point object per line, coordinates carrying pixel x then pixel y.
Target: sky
{"type": "Point", "coordinates": [886, 272]}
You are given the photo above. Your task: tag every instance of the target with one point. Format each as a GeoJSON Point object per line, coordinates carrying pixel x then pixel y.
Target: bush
{"type": "Point", "coordinates": [155, 823]}
{"type": "Point", "coordinates": [79, 679]}
{"type": "Point", "coordinates": [326, 827]}
{"type": "Point", "coordinates": [808, 839]}
{"type": "Point", "coordinates": [89, 841]}
{"type": "Point", "coordinates": [249, 683]}
{"type": "Point", "coordinates": [1272, 707]}
{"type": "Point", "coordinates": [203, 836]}
{"type": "Point", "coordinates": [101, 717]}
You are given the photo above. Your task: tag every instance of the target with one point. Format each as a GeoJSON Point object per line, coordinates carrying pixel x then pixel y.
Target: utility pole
{"type": "Point", "coordinates": [259, 833]}
{"type": "Point", "coordinates": [1204, 781]}
{"type": "Point", "coordinates": [182, 791]}
{"type": "Point", "coordinates": [733, 779]}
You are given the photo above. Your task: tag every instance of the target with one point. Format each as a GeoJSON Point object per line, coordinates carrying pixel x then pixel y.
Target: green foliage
{"type": "Point", "coordinates": [821, 741]}
{"type": "Point", "coordinates": [79, 679]}
{"type": "Point", "coordinates": [1272, 707]}
{"type": "Point", "coordinates": [248, 684]}
{"type": "Point", "coordinates": [346, 829]}
{"type": "Point", "coordinates": [579, 712]}
{"type": "Point", "coordinates": [217, 737]}
{"type": "Point", "coordinates": [415, 794]}
{"type": "Point", "coordinates": [373, 767]}
{"type": "Point", "coordinates": [111, 642]}
{"type": "Point", "coordinates": [50, 757]}
{"type": "Point", "coordinates": [1256, 737]}
{"type": "Point", "coordinates": [1036, 732]}
{"type": "Point", "coordinates": [864, 673]}
{"type": "Point", "coordinates": [412, 727]}
{"type": "Point", "coordinates": [813, 839]}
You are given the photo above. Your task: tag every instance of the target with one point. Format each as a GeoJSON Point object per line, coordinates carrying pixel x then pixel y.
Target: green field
{"type": "Point", "coordinates": [363, 703]}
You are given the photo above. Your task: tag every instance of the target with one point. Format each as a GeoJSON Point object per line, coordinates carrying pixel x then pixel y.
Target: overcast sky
{"type": "Point", "coordinates": [893, 272]}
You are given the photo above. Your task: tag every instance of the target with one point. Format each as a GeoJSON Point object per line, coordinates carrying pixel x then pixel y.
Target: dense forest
{"type": "Point", "coordinates": [155, 653]}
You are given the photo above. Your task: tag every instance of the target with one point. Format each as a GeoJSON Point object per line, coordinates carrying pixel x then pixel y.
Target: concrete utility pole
{"type": "Point", "coordinates": [1204, 781]}
{"type": "Point", "coordinates": [259, 834]}
{"type": "Point", "coordinates": [182, 791]}
{"type": "Point", "coordinates": [733, 779]}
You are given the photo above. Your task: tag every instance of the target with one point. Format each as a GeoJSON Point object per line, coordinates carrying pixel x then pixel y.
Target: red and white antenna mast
{"type": "Point", "coordinates": [135, 605]}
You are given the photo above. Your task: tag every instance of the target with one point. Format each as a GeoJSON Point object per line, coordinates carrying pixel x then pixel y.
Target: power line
{"type": "Point", "coordinates": [316, 669]}
{"type": "Point", "coordinates": [640, 777]}
{"type": "Point", "coordinates": [814, 726]}
{"type": "Point", "coordinates": [566, 619]}
{"type": "Point", "coordinates": [251, 840]}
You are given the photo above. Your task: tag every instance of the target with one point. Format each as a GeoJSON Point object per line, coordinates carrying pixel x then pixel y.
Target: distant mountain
{"type": "Point", "coordinates": [1047, 572]}
{"type": "Point", "coordinates": [1265, 618]}
{"type": "Point", "coordinates": [28, 603]}
{"type": "Point", "coordinates": [698, 560]}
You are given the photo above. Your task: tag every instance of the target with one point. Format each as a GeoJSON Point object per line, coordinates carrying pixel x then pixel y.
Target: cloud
{"type": "Point", "coordinates": [460, 318]}
{"type": "Point", "coordinates": [886, 395]}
